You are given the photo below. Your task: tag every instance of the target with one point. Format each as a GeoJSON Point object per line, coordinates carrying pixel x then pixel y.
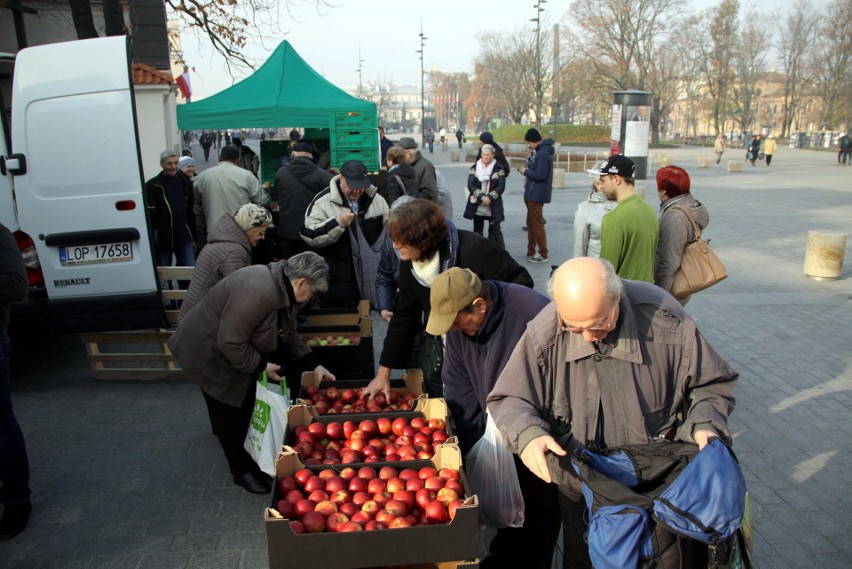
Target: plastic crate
{"type": "Point", "coordinates": [369, 156]}
{"type": "Point", "coordinates": [355, 138]}
{"type": "Point", "coordinates": [360, 120]}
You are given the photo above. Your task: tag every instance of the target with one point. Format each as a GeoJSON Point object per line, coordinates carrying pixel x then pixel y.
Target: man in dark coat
{"type": "Point", "coordinates": [295, 186]}
{"type": "Point", "coordinates": [206, 141]}
{"type": "Point", "coordinates": [385, 144]}
{"type": "Point", "coordinates": [170, 201]}
{"type": "Point", "coordinates": [427, 180]}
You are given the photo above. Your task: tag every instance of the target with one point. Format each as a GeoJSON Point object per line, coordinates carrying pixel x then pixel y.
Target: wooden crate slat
{"type": "Point", "coordinates": [128, 337]}
{"type": "Point", "coordinates": [175, 273]}
{"type": "Point", "coordinates": [136, 374]}
{"type": "Point", "coordinates": [132, 357]}
{"type": "Point", "coordinates": [174, 294]}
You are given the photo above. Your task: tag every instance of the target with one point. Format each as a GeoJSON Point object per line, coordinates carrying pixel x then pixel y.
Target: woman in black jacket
{"type": "Point", "coordinates": [429, 244]}
{"type": "Point", "coordinates": [401, 179]}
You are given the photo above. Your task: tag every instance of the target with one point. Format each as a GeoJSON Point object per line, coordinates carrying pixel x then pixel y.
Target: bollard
{"type": "Point", "coordinates": [558, 178]}
{"type": "Point", "coordinates": [454, 155]}
{"type": "Point", "coordinates": [704, 162]}
{"type": "Point", "coordinates": [444, 146]}
{"type": "Point", "coordinates": [735, 166]}
{"type": "Point", "coordinates": [824, 254]}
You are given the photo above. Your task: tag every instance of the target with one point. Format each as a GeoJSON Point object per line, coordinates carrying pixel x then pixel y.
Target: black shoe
{"type": "Point", "coordinates": [253, 482]}
{"type": "Point", "coordinates": [15, 520]}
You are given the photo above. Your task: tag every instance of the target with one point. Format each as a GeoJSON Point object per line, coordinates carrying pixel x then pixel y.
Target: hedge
{"type": "Point", "coordinates": [565, 133]}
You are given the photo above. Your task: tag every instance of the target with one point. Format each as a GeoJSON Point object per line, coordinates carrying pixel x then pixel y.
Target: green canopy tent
{"type": "Point", "coordinates": [285, 91]}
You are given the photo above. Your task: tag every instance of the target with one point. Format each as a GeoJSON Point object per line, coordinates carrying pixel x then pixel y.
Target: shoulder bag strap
{"type": "Point", "coordinates": [696, 231]}
{"type": "Point", "coordinates": [401, 185]}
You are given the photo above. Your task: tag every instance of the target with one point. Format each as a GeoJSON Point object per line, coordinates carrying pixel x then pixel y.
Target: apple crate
{"type": "Point", "coordinates": [355, 360]}
{"type": "Point", "coordinates": [410, 382]}
{"type": "Point", "coordinates": [420, 544]}
{"type": "Point", "coordinates": [305, 415]}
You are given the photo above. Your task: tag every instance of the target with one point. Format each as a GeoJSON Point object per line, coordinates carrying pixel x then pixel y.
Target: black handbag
{"type": "Point", "coordinates": [430, 361]}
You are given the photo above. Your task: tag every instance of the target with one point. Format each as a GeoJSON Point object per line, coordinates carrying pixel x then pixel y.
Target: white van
{"type": "Point", "coordinates": [72, 189]}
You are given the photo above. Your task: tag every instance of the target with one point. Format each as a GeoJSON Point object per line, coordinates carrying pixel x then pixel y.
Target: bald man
{"type": "Point", "coordinates": [608, 363]}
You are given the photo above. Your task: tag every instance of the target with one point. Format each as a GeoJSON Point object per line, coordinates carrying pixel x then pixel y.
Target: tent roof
{"type": "Point", "coordinates": [285, 91]}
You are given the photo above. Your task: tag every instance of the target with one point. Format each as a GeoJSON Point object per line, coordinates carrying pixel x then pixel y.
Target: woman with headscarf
{"type": "Point", "coordinates": [223, 345]}
{"type": "Point", "coordinates": [485, 185]}
{"type": "Point", "coordinates": [228, 249]}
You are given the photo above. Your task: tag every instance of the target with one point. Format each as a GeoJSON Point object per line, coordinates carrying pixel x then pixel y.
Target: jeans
{"type": "Point", "coordinates": [14, 464]}
{"type": "Point", "coordinates": [536, 237]}
{"type": "Point", "coordinates": [494, 231]}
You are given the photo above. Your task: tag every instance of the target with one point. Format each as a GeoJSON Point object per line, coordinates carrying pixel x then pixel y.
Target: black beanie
{"type": "Point", "coordinates": [532, 135]}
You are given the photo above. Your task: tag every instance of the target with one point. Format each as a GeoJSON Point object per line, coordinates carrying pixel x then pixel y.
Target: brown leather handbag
{"type": "Point", "coordinates": [700, 268]}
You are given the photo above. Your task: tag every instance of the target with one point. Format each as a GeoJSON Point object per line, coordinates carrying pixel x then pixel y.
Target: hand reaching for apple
{"type": "Point", "coordinates": [380, 384]}
{"type": "Point", "coordinates": [323, 374]}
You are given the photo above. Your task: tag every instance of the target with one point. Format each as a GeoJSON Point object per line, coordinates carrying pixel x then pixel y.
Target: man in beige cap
{"type": "Point", "coordinates": [483, 321]}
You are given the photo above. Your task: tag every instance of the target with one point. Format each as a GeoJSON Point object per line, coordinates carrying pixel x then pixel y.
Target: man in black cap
{"type": "Point", "coordinates": [248, 157]}
{"type": "Point", "coordinates": [537, 189]}
{"type": "Point", "coordinates": [629, 232]}
{"type": "Point", "coordinates": [342, 223]}
{"type": "Point", "coordinates": [427, 181]}
{"type": "Point", "coordinates": [295, 186]}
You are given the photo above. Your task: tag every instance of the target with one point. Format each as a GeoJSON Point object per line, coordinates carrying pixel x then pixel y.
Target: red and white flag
{"type": "Point", "coordinates": [184, 85]}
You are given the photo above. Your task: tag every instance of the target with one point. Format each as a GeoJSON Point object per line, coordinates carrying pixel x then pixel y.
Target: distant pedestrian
{"type": "Point", "coordinates": [385, 144]}
{"type": "Point", "coordinates": [719, 147]}
{"type": "Point", "coordinates": [538, 187]}
{"type": "Point", "coordinates": [769, 148]}
{"type": "Point", "coordinates": [443, 134]}
{"type": "Point", "coordinates": [14, 464]}
{"type": "Point", "coordinates": [844, 153]}
{"type": "Point", "coordinates": [430, 140]}
{"type": "Point", "coordinates": [206, 142]}
{"type": "Point", "coordinates": [459, 136]}
{"type": "Point", "coordinates": [218, 139]}
{"type": "Point", "coordinates": [753, 149]}
{"type": "Point", "coordinates": [485, 186]}
{"type": "Point", "coordinates": [629, 232]}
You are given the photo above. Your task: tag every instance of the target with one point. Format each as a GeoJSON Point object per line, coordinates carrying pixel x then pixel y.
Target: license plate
{"type": "Point", "coordinates": [103, 253]}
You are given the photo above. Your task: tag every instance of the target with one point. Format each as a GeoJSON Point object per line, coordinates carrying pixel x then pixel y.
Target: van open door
{"type": "Point", "coordinates": [78, 184]}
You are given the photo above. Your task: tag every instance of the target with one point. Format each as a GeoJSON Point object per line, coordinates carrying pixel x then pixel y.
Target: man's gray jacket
{"type": "Point", "coordinates": [659, 378]}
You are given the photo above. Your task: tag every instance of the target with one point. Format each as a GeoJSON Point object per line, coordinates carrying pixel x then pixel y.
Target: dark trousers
{"type": "Point", "coordinates": [494, 231]}
{"type": "Point", "coordinates": [206, 152]}
{"type": "Point", "coordinates": [575, 550]}
{"type": "Point", "coordinates": [290, 247]}
{"type": "Point", "coordinates": [768, 159]}
{"type": "Point", "coordinates": [14, 465]}
{"type": "Point", "coordinates": [536, 236]}
{"type": "Point", "coordinates": [532, 545]}
{"type": "Point", "coordinates": [230, 424]}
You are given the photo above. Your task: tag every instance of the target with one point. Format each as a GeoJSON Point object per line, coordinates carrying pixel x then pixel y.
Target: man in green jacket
{"type": "Point", "coordinates": [629, 232]}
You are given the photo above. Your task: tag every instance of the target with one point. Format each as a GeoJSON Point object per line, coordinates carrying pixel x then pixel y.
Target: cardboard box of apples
{"type": "Point", "coordinates": [343, 342]}
{"type": "Point", "coordinates": [344, 397]}
{"type": "Point", "coordinates": [327, 517]}
{"type": "Point", "coordinates": [367, 438]}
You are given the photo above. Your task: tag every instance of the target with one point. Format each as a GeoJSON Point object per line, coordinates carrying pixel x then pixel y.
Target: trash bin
{"type": "Point", "coordinates": [824, 254]}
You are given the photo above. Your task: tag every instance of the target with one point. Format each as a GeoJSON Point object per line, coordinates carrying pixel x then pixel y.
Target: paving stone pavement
{"type": "Point", "coordinates": [128, 475]}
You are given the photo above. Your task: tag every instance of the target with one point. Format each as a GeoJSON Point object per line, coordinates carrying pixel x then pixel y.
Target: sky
{"type": "Point", "coordinates": [387, 35]}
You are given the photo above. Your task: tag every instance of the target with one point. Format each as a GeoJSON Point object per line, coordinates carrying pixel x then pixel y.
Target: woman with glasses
{"type": "Point", "coordinates": [228, 248]}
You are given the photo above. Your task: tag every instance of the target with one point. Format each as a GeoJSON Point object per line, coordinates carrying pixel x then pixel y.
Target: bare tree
{"type": "Point", "coordinates": [833, 64]}
{"type": "Point", "coordinates": [797, 37]}
{"type": "Point", "coordinates": [503, 72]}
{"type": "Point", "coordinates": [718, 49]}
{"type": "Point", "coordinates": [621, 39]}
{"type": "Point", "coordinates": [748, 66]}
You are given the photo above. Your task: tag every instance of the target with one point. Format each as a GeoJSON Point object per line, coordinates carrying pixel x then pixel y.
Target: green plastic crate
{"type": "Point", "coordinates": [355, 138]}
{"type": "Point", "coordinates": [354, 121]}
{"type": "Point", "coordinates": [369, 156]}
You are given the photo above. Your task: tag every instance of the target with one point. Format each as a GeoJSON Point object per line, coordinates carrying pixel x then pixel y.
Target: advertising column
{"type": "Point", "coordinates": [631, 113]}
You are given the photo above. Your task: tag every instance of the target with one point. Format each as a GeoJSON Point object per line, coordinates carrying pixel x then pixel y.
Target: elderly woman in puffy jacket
{"type": "Point", "coordinates": [485, 185]}
{"type": "Point", "coordinates": [676, 231]}
{"type": "Point", "coordinates": [223, 345]}
{"type": "Point", "coordinates": [228, 248]}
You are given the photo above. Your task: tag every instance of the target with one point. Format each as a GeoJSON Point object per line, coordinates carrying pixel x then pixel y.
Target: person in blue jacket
{"type": "Point", "coordinates": [538, 185]}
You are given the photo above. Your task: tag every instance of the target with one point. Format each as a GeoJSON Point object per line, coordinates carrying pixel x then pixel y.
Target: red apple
{"type": "Point", "coordinates": [322, 407]}
{"type": "Point", "coordinates": [436, 513]}
{"type": "Point", "coordinates": [340, 497]}
{"type": "Point", "coordinates": [439, 437]}
{"type": "Point", "coordinates": [427, 472]}
{"type": "Point", "coordinates": [285, 508]}
{"type": "Point", "coordinates": [327, 474]}
{"type": "Point", "coordinates": [398, 425]}
{"type": "Point", "coordinates": [348, 395]}
{"type": "Point", "coordinates": [297, 527]}
{"type": "Point", "coordinates": [448, 474]}
{"type": "Point", "coordinates": [314, 522]}
{"type": "Point", "coordinates": [302, 507]}
{"type": "Point", "coordinates": [385, 425]}
{"type": "Point", "coordinates": [407, 473]}
{"type": "Point", "coordinates": [332, 393]}
{"type": "Point", "coordinates": [452, 507]}
{"type": "Point", "coordinates": [385, 516]}
{"type": "Point", "coordinates": [374, 525]}
{"type": "Point", "coordinates": [349, 526]}
{"type": "Point", "coordinates": [376, 485]}
{"type": "Point", "coordinates": [455, 485]}
{"type": "Point", "coordinates": [358, 485]}
{"type": "Point", "coordinates": [447, 495]}
{"type": "Point", "coordinates": [349, 427]}
{"type": "Point", "coordinates": [311, 390]}
{"type": "Point", "coordinates": [314, 483]}
{"type": "Point", "coordinates": [335, 484]}
{"type": "Point", "coordinates": [294, 496]}
{"type": "Point", "coordinates": [437, 424]}
{"type": "Point", "coordinates": [326, 508]}
{"type": "Point", "coordinates": [400, 523]}
{"type": "Point", "coordinates": [424, 455]}
{"type": "Point", "coordinates": [317, 430]}
{"type": "Point", "coordinates": [335, 520]}
{"type": "Point", "coordinates": [360, 518]}
{"type": "Point", "coordinates": [433, 483]}
{"type": "Point", "coordinates": [409, 431]}
{"type": "Point", "coordinates": [418, 423]}
{"type": "Point", "coordinates": [424, 497]}
{"type": "Point", "coordinates": [395, 485]}
{"type": "Point", "coordinates": [348, 473]}
{"type": "Point", "coordinates": [285, 484]}
{"type": "Point", "coordinates": [302, 476]}
{"type": "Point", "coordinates": [335, 431]}
{"type": "Point", "coordinates": [348, 508]}
{"type": "Point", "coordinates": [318, 496]}
{"type": "Point", "coordinates": [405, 497]}
{"type": "Point", "coordinates": [367, 472]}
{"type": "Point", "coordinates": [413, 484]}
{"type": "Point", "coordinates": [397, 507]}
{"type": "Point", "coordinates": [369, 427]}
{"type": "Point", "coordinates": [360, 498]}
{"type": "Point", "coordinates": [382, 498]}
{"type": "Point", "coordinates": [370, 506]}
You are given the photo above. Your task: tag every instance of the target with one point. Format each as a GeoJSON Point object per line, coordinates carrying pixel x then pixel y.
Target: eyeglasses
{"type": "Point", "coordinates": [603, 328]}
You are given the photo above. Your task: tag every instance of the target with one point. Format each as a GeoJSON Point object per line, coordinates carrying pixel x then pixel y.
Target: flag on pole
{"type": "Point", "coordinates": [184, 85]}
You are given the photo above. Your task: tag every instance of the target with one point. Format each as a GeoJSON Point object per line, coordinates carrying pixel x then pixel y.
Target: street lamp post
{"type": "Point", "coordinates": [538, 88]}
{"type": "Point", "coordinates": [422, 84]}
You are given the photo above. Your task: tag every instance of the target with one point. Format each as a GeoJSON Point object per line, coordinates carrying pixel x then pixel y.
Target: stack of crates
{"type": "Point", "coordinates": [355, 136]}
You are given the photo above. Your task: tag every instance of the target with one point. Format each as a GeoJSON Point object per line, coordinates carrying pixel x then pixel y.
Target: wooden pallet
{"type": "Point", "coordinates": [139, 354]}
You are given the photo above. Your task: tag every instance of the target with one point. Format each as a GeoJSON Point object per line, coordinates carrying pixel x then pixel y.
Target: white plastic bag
{"type": "Point", "coordinates": [492, 476]}
{"type": "Point", "coordinates": [268, 424]}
